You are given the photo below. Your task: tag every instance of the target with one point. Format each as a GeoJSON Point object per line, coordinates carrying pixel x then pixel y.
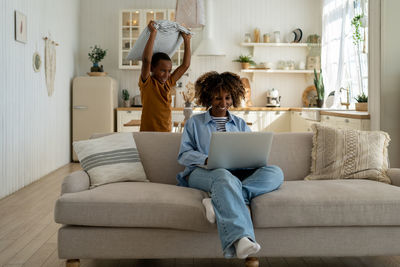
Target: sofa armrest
{"type": "Point", "coordinates": [394, 175]}
{"type": "Point", "coordinates": [75, 182]}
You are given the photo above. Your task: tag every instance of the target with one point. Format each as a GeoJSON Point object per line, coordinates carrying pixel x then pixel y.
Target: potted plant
{"type": "Point", "coordinates": [362, 102]}
{"type": "Point", "coordinates": [357, 22]}
{"type": "Point", "coordinates": [245, 61]}
{"type": "Point", "coordinates": [95, 56]}
{"type": "Point", "coordinates": [125, 97]}
{"type": "Point", "coordinates": [319, 86]}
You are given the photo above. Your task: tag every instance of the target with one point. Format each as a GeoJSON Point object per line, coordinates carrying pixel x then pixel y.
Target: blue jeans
{"type": "Point", "coordinates": [229, 197]}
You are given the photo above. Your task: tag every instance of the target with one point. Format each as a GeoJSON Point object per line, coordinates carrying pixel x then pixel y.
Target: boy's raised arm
{"type": "Point", "coordinates": [148, 52]}
{"type": "Point", "coordinates": [177, 74]}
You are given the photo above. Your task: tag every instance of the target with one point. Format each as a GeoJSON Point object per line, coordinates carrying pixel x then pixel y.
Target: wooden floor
{"type": "Point", "coordinates": [28, 236]}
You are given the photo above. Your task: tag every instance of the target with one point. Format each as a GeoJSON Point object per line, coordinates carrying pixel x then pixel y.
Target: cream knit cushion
{"type": "Point", "coordinates": [110, 159]}
{"type": "Point", "coordinates": [349, 154]}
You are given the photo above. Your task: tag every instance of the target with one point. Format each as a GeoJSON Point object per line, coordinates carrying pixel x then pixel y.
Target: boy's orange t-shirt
{"type": "Point", "coordinates": [156, 101]}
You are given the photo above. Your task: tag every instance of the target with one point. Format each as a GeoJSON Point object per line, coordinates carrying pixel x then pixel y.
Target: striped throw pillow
{"type": "Point", "coordinates": [110, 159]}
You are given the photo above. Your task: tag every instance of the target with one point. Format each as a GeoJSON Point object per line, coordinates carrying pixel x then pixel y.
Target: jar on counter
{"type": "Point", "coordinates": [247, 37]}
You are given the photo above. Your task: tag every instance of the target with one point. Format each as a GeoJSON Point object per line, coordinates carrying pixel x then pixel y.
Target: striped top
{"type": "Point", "coordinates": [220, 121]}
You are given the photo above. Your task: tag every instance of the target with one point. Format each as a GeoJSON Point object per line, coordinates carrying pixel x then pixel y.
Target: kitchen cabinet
{"type": "Point", "coordinates": [131, 24]}
{"type": "Point", "coordinates": [129, 120]}
{"type": "Point", "coordinates": [272, 121]}
{"type": "Point", "coordinates": [299, 124]}
{"type": "Point", "coordinates": [342, 122]}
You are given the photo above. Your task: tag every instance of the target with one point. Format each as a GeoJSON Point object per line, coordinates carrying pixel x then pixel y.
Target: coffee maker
{"type": "Point", "coordinates": [273, 98]}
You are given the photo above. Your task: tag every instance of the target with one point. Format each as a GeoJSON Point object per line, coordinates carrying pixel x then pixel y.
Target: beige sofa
{"type": "Point", "coordinates": [161, 220]}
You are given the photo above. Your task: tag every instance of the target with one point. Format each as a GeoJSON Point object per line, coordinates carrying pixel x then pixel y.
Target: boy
{"type": "Point", "coordinates": [155, 89]}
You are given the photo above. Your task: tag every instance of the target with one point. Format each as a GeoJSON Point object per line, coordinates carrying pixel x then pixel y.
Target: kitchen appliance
{"type": "Point", "coordinates": [94, 100]}
{"type": "Point", "coordinates": [273, 98]}
{"type": "Point", "coordinates": [137, 101]}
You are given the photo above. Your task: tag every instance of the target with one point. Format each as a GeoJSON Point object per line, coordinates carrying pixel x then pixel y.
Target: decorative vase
{"type": "Point", "coordinates": [320, 103]}
{"type": "Point", "coordinates": [188, 110]}
{"type": "Point", "coordinates": [362, 106]}
{"type": "Point", "coordinates": [95, 67]}
{"type": "Point", "coordinates": [127, 103]}
{"type": "Point", "coordinates": [245, 65]}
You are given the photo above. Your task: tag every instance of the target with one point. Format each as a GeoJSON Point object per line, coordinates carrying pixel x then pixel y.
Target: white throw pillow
{"type": "Point", "coordinates": [110, 159]}
{"type": "Point", "coordinates": [168, 39]}
{"type": "Point", "coordinates": [349, 154]}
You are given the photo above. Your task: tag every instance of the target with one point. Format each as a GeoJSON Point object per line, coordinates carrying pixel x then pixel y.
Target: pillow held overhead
{"type": "Point", "coordinates": [168, 39]}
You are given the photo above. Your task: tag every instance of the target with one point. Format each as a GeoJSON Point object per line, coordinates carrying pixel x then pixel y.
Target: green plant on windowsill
{"type": "Point", "coordinates": [357, 24]}
{"type": "Point", "coordinates": [362, 102]}
{"type": "Point", "coordinates": [245, 61]}
{"type": "Point", "coordinates": [361, 98]}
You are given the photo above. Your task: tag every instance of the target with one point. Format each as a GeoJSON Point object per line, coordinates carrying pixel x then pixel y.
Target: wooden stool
{"type": "Point", "coordinates": [133, 123]}
{"type": "Point", "coordinates": [178, 126]}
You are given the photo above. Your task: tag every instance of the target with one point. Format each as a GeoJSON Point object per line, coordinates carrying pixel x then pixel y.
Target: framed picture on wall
{"type": "Point", "coordinates": [20, 27]}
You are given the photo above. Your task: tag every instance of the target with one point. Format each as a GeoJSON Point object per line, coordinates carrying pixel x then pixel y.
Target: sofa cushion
{"type": "Point", "coordinates": [349, 154]}
{"type": "Point", "coordinates": [328, 203]}
{"type": "Point", "coordinates": [110, 159]}
{"type": "Point", "coordinates": [138, 204]}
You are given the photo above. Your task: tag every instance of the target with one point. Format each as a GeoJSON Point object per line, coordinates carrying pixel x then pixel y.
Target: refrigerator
{"type": "Point", "coordinates": [94, 100]}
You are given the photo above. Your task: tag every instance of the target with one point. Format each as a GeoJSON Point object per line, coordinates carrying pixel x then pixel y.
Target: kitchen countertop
{"type": "Point", "coordinates": [323, 111]}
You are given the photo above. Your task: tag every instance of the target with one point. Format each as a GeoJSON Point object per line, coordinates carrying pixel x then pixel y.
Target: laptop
{"type": "Point", "coordinates": [234, 150]}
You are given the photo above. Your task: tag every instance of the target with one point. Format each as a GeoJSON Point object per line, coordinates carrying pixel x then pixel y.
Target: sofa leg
{"type": "Point", "coordinates": [252, 262]}
{"type": "Point", "coordinates": [72, 263]}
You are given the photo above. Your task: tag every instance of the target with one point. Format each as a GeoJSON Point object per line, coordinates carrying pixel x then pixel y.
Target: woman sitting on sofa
{"type": "Point", "coordinates": [230, 190]}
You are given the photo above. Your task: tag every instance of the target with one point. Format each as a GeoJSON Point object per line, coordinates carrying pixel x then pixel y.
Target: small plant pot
{"type": "Point", "coordinates": [320, 103]}
{"type": "Point", "coordinates": [245, 65]}
{"type": "Point", "coordinates": [127, 103]}
{"type": "Point", "coordinates": [362, 106]}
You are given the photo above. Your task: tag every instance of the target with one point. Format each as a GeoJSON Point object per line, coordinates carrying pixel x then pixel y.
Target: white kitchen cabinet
{"type": "Point", "coordinates": [277, 121]}
{"type": "Point", "coordinates": [128, 120]}
{"type": "Point", "coordinates": [342, 122]}
{"type": "Point", "coordinates": [299, 124]}
{"type": "Point", "coordinates": [131, 24]}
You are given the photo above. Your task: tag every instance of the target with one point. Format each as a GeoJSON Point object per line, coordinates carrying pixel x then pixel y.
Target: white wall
{"type": "Point", "coordinates": [232, 19]}
{"type": "Point", "coordinates": [390, 77]}
{"type": "Point", "coordinates": [35, 128]}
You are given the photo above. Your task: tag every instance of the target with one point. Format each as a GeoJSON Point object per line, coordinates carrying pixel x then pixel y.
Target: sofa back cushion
{"type": "Point", "coordinates": [159, 152]}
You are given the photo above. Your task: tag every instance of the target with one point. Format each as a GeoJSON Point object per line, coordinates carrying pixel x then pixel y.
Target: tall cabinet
{"type": "Point", "coordinates": [131, 24]}
{"type": "Point", "coordinates": [94, 100]}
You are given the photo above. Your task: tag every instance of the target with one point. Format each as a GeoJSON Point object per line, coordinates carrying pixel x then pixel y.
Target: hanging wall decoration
{"type": "Point", "coordinates": [50, 64]}
{"type": "Point", "coordinates": [20, 27]}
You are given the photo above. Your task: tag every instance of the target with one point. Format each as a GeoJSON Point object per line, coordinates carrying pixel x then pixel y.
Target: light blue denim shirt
{"type": "Point", "coordinates": [196, 139]}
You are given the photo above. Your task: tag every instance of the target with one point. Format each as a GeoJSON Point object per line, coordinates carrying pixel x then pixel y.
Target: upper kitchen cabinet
{"type": "Point", "coordinates": [131, 24]}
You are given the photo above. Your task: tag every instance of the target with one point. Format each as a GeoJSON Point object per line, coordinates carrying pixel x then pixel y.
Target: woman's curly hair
{"type": "Point", "coordinates": [210, 84]}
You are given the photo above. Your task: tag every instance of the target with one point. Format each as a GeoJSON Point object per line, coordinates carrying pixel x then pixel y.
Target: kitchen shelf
{"type": "Point", "coordinates": [279, 44]}
{"type": "Point", "coordinates": [251, 72]}
{"type": "Point", "coordinates": [278, 71]}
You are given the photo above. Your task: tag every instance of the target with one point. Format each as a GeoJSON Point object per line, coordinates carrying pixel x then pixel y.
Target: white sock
{"type": "Point", "coordinates": [210, 214]}
{"type": "Point", "coordinates": [245, 247]}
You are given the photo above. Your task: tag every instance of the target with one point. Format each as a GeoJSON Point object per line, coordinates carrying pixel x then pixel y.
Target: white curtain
{"type": "Point", "coordinates": [343, 64]}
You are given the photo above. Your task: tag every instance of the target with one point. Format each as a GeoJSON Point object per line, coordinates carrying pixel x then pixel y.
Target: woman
{"type": "Point", "coordinates": [230, 190]}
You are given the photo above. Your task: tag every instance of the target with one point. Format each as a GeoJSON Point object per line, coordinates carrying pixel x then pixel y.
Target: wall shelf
{"type": "Point", "coordinates": [278, 44]}
{"type": "Point", "coordinates": [267, 71]}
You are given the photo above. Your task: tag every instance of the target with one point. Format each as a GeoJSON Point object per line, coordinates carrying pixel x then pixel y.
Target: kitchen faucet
{"type": "Point", "coordinates": [347, 103]}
